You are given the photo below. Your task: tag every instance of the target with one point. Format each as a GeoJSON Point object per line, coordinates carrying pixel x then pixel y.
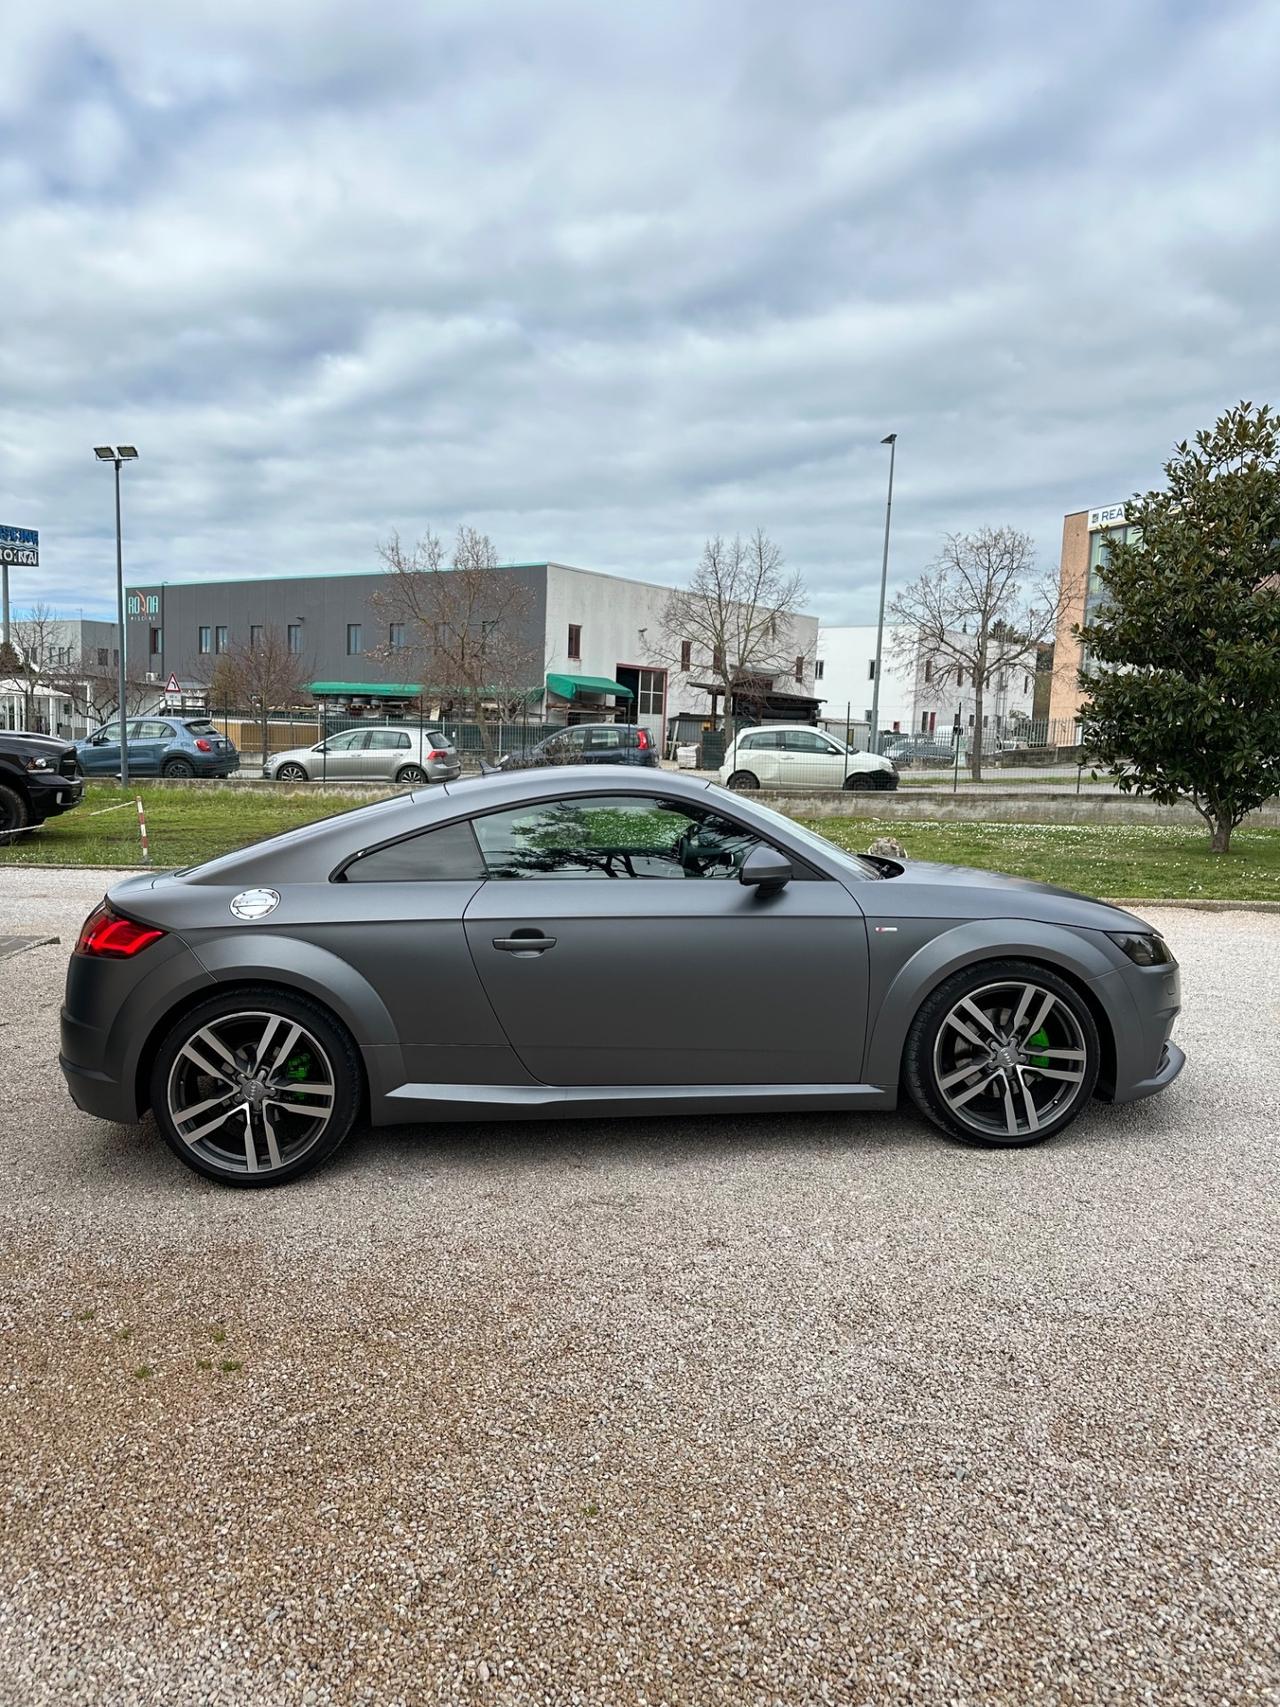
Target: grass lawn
{"type": "Point", "coordinates": [187, 825]}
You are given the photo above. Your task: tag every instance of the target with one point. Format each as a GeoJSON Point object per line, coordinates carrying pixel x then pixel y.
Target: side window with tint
{"type": "Point", "coordinates": [387, 740]}
{"type": "Point", "coordinates": [448, 854]}
{"type": "Point", "coordinates": [611, 836]}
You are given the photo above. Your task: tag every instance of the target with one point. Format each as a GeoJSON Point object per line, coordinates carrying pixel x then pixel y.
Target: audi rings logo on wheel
{"type": "Point", "coordinates": [255, 903]}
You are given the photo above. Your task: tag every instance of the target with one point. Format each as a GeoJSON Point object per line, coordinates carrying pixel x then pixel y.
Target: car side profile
{"type": "Point", "coordinates": [507, 946]}
{"type": "Point", "coordinates": [160, 746]}
{"type": "Point", "coordinates": [591, 744]}
{"type": "Point", "coordinates": [791, 755]}
{"type": "Point", "coordinates": [399, 753]}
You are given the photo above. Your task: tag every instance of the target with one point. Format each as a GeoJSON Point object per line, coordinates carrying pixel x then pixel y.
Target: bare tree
{"type": "Point", "coordinates": [263, 675]}
{"type": "Point", "coordinates": [32, 655]}
{"type": "Point", "coordinates": [736, 618]}
{"type": "Point", "coordinates": [981, 608]}
{"type": "Point", "coordinates": [93, 689]}
{"type": "Point", "coordinates": [470, 634]}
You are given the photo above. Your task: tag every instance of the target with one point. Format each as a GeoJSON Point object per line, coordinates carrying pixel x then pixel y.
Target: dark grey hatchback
{"type": "Point", "coordinates": [590, 744]}
{"type": "Point", "coordinates": [458, 953]}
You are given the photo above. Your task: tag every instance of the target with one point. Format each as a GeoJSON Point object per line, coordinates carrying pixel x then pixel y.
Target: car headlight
{"type": "Point", "coordinates": [1144, 949]}
{"type": "Point", "coordinates": [39, 765]}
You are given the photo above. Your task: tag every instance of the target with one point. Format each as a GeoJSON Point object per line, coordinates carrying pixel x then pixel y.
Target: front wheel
{"type": "Point", "coordinates": [256, 1087]}
{"type": "Point", "coordinates": [1004, 1053]}
{"type": "Point", "coordinates": [744, 781]}
{"type": "Point", "coordinates": [859, 780]}
{"type": "Point", "coordinates": [291, 773]}
{"type": "Point", "coordinates": [15, 814]}
{"type": "Point", "coordinates": [411, 776]}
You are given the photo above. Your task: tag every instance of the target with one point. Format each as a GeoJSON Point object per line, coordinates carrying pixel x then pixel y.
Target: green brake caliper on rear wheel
{"type": "Point", "coordinates": [1039, 1040]}
{"type": "Point", "coordinates": [298, 1067]}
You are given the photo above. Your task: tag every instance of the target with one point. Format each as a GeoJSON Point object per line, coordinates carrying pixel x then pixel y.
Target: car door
{"type": "Point", "coordinates": [605, 744]}
{"type": "Point", "coordinates": [760, 752]}
{"type": "Point", "coordinates": [810, 760]}
{"type": "Point", "coordinates": [343, 759]}
{"type": "Point", "coordinates": [618, 948]}
{"type": "Point", "coordinates": [149, 738]}
{"type": "Point", "coordinates": [387, 750]}
{"type": "Point", "coordinates": [100, 755]}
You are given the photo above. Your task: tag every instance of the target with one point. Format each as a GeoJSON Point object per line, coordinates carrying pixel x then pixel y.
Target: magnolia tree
{"type": "Point", "coordinates": [1183, 654]}
{"type": "Point", "coordinates": [981, 609]}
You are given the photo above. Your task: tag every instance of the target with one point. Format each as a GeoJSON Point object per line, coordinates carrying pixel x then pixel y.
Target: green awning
{"type": "Point", "coordinates": [366, 690]}
{"type": "Point", "coordinates": [574, 687]}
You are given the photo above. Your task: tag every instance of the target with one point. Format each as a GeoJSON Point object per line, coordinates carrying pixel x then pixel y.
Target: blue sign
{"type": "Point", "coordinates": [20, 547]}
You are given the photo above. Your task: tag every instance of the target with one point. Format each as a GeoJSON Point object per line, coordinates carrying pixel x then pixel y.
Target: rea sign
{"type": "Point", "coordinates": [1109, 516]}
{"type": "Point", "coordinates": [20, 547]}
{"type": "Point", "coordinates": [139, 604]}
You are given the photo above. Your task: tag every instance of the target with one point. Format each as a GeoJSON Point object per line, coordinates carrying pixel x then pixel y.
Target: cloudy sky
{"type": "Point", "coordinates": [602, 280]}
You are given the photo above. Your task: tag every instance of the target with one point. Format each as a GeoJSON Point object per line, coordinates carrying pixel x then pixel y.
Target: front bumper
{"type": "Point", "coordinates": [1172, 1061]}
{"type": "Point", "coordinates": [51, 792]}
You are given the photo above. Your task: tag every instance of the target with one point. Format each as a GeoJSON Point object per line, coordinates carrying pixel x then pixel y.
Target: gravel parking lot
{"type": "Point", "coordinates": [768, 1410]}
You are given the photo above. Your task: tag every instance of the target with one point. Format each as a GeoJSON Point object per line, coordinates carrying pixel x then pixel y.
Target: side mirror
{"type": "Point", "coordinates": [765, 869]}
{"type": "Point", "coordinates": [98, 741]}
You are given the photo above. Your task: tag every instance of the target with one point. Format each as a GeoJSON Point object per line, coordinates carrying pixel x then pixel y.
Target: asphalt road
{"type": "Point", "coordinates": [773, 1410]}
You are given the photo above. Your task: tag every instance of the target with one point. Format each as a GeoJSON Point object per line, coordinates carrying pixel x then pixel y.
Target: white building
{"type": "Point", "coordinates": [918, 693]}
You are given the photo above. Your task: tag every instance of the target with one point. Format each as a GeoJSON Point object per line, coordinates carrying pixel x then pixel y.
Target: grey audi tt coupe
{"type": "Point", "coordinates": [611, 941]}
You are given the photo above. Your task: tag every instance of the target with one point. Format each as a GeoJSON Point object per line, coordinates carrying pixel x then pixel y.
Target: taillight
{"type": "Point", "coordinates": [107, 935]}
{"type": "Point", "coordinates": [642, 740]}
{"type": "Point", "coordinates": [203, 746]}
{"type": "Point", "coordinates": [438, 753]}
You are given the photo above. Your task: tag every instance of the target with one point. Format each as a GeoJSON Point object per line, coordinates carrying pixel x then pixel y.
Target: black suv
{"type": "Point", "coordinates": [590, 744]}
{"type": "Point", "coordinates": [38, 779]}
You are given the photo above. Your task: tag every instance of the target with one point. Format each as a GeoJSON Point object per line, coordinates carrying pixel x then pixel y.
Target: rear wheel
{"type": "Point", "coordinates": [1005, 1053]}
{"type": "Point", "coordinates": [291, 773]}
{"type": "Point", "coordinates": [15, 814]}
{"type": "Point", "coordinates": [744, 781]}
{"type": "Point", "coordinates": [256, 1087]}
{"type": "Point", "coordinates": [177, 768]}
{"type": "Point", "coordinates": [411, 776]}
{"type": "Point", "coordinates": [859, 780]}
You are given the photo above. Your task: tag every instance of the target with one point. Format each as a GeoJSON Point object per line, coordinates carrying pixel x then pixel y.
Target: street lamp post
{"type": "Point", "coordinates": [892, 441]}
{"type": "Point", "coordinates": [116, 454]}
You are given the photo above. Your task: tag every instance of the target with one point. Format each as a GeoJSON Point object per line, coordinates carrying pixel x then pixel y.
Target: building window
{"type": "Point", "coordinates": [686, 656]}
{"type": "Point", "coordinates": [295, 638]}
{"type": "Point", "coordinates": [102, 657]}
{"type": "Point", "coordinates": [157, 643]}
{"type": "Point", "coordinates": [1026, 684]}
{"type": "Point", "coordinates": [396, 637]}
{"type": "Point", "coordinates": [575, 640]}
{"type": "Point", "coordinates": [924, 721]}
{"type": "Point", "coordinates": [206, 641]}
{"type": "Point", "coordinates": [928, 669]}
{"type": "Point", "coordinates": [818, 669]}
{"type": "Point", "coordinates": [871, 669]}
{"type": "Point", "coordinates": [355, 639]}
{"type": "Point", "coordinates": [717, 660]}
{"type": "Point", "coordinates": [651, 694]}
{"type": "Point", "coordinates": [255, 636]}
{"type": "Point", "coordinates": [959, 675]}
{"type": "Point", "coordinates": [115, 657]}
{"type": "Point", "coordinates": [220, 639]}
{"type": "Point", "coordinates": [799, 666]}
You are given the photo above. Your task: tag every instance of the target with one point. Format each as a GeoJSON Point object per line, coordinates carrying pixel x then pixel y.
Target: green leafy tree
{"type": "Point", "coordinates": [1183, 655]}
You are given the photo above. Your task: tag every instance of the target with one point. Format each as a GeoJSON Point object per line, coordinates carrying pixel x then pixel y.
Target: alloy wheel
{"type": "Point", "coordinates": [411, 776]}
{"type": "Point", "coordinates": [251, 1093]}
{"type": "Point", "coordinates": [1009, 1059]}
{"type": "Point", "coordinates": [291, 773]}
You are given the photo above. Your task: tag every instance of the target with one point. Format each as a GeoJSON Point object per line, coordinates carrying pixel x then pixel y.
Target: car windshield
{"type": "Point", "coordinates": [855, 862]}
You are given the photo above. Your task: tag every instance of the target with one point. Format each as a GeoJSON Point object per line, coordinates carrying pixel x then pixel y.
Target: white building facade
{"type": "Point", "coordinates": [919, 694]}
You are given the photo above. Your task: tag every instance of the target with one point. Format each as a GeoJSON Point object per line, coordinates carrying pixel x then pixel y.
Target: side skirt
{"type": "Point", "coordinates": [532, 1102]}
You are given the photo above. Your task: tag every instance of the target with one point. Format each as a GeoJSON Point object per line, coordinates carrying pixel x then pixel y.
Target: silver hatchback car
{"type": "Point", "coordinates": [387, 753]}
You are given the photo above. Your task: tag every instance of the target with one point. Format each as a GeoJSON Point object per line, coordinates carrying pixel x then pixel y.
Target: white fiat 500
{"type": "Point", "coordinates": [788, 755]}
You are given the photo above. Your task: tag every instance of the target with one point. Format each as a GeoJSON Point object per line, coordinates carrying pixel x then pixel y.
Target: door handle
{"type": "Point", "coordinates": [530, 944]}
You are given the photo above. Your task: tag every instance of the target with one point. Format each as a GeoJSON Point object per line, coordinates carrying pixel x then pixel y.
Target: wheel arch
{"type": "Point", "coordinates": [1074, 960]}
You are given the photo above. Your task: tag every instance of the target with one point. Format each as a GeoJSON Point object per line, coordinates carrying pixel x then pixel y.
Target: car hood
{"type": "Point", "coordinates": [926, 890]}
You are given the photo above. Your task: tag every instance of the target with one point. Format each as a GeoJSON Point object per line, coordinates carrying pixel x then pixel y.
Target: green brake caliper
{"type": "Point", "coordinates": [1039, 1040]}
{"type": "Point", "coordinates": [298, 1067]}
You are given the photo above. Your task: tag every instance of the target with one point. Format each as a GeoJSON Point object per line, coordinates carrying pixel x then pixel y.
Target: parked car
{"type": "Point", "coordinates": [921, 750]}
{"type": "Point", "coordinates": [590, 744]}
{"type": "Point", "coordinates": [160, 746]}
{"type": "Point", "coordinates": [456, 954]}
{"type": "Point", "coordinates": [38, 780]}
{"type": "Point", "coordinates": [789, 755]}
{"type": "Point", "coordinates": [388, 752]}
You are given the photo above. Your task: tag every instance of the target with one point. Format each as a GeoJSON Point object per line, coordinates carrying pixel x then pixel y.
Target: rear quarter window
{"type": "Point", "coordinates": [448, 854]}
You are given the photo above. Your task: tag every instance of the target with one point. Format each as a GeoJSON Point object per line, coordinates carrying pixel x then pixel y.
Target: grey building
{"type": "Point", "coordinates": [597, 636]}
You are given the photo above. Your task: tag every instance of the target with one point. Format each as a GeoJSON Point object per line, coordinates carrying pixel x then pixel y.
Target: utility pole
{"type": "Point", "coordinates": [117, 455]}
{"type": "Point", "coordinates": [891, 440]}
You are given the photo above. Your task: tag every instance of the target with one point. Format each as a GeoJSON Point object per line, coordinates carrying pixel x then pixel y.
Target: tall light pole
{"type": "Point", "coordinates": [892, 441]}
{"type": "Point", "coordinates": [117, 454]}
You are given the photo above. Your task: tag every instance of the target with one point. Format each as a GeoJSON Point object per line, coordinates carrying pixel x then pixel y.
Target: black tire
{"type": "Point", "coordinates": [177, 768]}
{"type": "Point", "coordinates": [258, 1003]}
{"type": "Point", "coordinates": [15, 814]}
{"type": "Point", "coordinates": [411, 776]}
{"type": "Point", "coordinates": [859, 780]}
{"type": "Point", "coordinates": [986, 1084]}
{"type": "Point", "coordinates": [292, 773]}
{"type": "Point", "coordinates": [744, 781]}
